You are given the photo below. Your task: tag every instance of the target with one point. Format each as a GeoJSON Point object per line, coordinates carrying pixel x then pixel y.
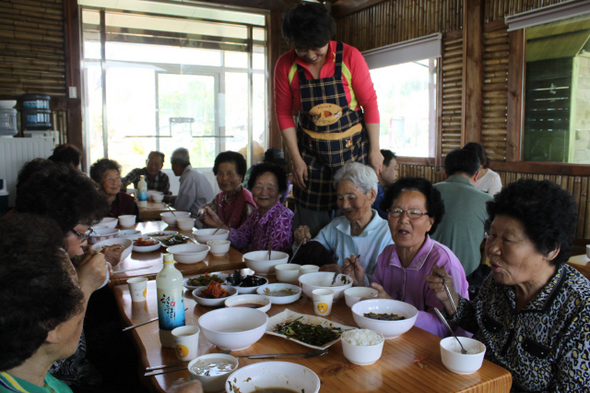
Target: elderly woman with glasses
{"type": "Point", "coordinates": [358, 235]}
{"type": "Point", "coordinates": [533, 311]}
{"type": "Point", "coordinates": [414, 210]}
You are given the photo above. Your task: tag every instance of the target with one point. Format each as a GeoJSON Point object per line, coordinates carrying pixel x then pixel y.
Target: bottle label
{"type": "Point", "coordinates": [142, 196]}
{"type": "Point", "coordinates": [170, 308]}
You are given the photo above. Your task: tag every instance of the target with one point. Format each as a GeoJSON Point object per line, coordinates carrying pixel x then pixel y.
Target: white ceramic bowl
{"type": "Point", "coordinates": [362, 352]}
{"type": "Point", "coordinates": [219, 247]}
{"type": "Point", "coordinates": [185, 224]}
{"type": "Point", "coordinates": [286, 375]}
{"type": "Point", "coordinates": [389, 329]}
{"type": "Point", "coordinates": [216, 381]}
{"type": "Point", "coordinates": [127, 220]}
{"type": "Point", "coordinates": [354, 294]}
{"type": "Point", "coordinates": [259, 262]}
{"type": "Point", "coordinates": [455, 361]}
{"type": "Point", "coordinates": [304, 269]}
{"type": "Point", "coordinates": [287, 272]}
{"type": "Point", "coordinates": [272, 290]}
{"type": "Point", "coordinates": [129, 233]}
{"type": "Point", "coordinates": [127, 243]}
{"type": "Point", "coordinates": [258, 302]}
{"type": "Point", "coordinates": [234, 328]}
{"type": "Point", "coordinates": [204, 235]}
{"type": "Point", "coordinates": [217, 302]}
{"type": "Point", "coordinates": [7, 104]}
{"type": "Point", "coordinates": [148, 248]}
{"type": "Point", "coordinates": [158, 198]}
{"type": "Point", "coordinates": [189, 253]}
{"type": "Point", "coordinates": [110, 222]}
{"type": "Point", "coordinates": [322, 280]}
{"type": "Point", "coordinates": [101, 234]}
{"type": "Point", "coordinates": [170, 218]}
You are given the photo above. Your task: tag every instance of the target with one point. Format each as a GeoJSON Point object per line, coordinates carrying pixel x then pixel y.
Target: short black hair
{"type": "Point", "coordinates": [480, 151]}
{"type": "Point", "coordinates": [308, 26]}
{"type": "Point", "coordinates": [264, 167]}
{"type": "Point", "coordinates": [388, 155]}
{"type": "Point", "coordinates": [547, 212]}
{"type": "Point", "coordinates": [37, 291]}
{"type": "Point", "coordinates": [231, 156]}
{"type": "Point", "coordinates": [98, 169]}
{"type": "Point", "coordinates": [159, 153]}
{"type": "Point", "coordinates": [461, 161]}
{"type": "Point", "coordinates": [67, 154]}
{"type": "Point", "coordinates": [62, 193]}
{"type": "Point", "coordinates": [434, 202]}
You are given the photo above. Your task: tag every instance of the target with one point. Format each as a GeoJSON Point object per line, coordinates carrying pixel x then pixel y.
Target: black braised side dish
{"type": "Point", "coordinates": [237, 280]}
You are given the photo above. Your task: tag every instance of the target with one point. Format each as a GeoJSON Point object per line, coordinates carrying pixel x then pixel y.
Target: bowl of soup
{"type": "Point", "coordinates": [273, 377]}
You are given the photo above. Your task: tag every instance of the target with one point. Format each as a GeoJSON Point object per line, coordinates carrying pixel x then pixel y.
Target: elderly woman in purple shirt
{"type": "Point", "coordinates": [414, 210]}
{"type": "Point", "coordinates": [271, 223]}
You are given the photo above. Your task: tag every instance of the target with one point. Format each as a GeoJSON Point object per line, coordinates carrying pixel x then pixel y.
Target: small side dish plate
{"type": "Point", "coordinates": [222, 276]}
{"type": "Point", "coordinates": [280, 293]}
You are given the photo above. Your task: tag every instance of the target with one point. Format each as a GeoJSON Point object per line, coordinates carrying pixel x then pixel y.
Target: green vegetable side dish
{"type": "Point", "coordinates": [175, 239]}
{"type": "Point", "coordinates": [203, 281]}
{"type": "Point", "coordinates": [317, 335]}
{"type": "Point", "coordinates": [384, 316]}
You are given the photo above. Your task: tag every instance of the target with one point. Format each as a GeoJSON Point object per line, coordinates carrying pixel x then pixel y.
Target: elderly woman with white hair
{"type": "Point", "coordinates": [359, 235]}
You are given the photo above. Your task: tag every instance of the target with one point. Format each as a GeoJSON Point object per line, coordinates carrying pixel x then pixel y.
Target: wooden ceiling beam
{"type": "Point", "coordinates": [346, 7]}
{"type": "Point", "coordinates": [272, 5]}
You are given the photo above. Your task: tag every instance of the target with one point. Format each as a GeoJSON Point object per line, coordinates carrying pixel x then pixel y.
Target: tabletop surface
{"type": "Point", "coordinates": [398, 370]}
{"type": "Point", "coordinates": [152, 210]}
{"type": "Point", "coordinates": [152, 261]}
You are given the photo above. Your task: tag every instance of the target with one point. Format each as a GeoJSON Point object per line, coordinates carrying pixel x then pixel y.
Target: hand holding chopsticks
{"type": "Point", "coordinates": [438, 288]}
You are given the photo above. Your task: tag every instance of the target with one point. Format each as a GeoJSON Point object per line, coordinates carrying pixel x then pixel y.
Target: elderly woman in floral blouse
{"type": "Point", "coordinates": [533, 311]}
{"type": "Point", "coordinates": [271, 223]}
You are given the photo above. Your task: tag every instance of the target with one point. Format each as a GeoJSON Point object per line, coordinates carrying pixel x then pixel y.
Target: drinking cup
{"type": "Point", "coordinates": [588, 250]}
{"type": "Point", "coordinates": [308, 269]}
{"type": "Point", "coordinates": [186, 341]}
{"type": "Point", "coordinates": [138, 288]}
{"type": "Point", "coordinates": [127, 221]}
{"type": "Point", "coordinates": [322, 301]}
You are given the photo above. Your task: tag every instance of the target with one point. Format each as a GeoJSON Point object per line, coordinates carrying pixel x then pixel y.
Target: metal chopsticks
{"type": "Point", "coordinates": [140, 324]}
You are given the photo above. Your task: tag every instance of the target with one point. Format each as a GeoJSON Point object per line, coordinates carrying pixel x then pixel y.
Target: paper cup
{"type": "Point", "coordinates": [322, 301]}
{"type": "Point", "coordinates": [186, 341]}
{"type": "Point", "coordinates": [138, 288]}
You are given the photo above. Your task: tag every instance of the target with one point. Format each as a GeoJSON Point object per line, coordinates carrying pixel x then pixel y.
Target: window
{"type": "Point", "coordinates": [407, 103]}
{"type": "Point", "coordinates": [158, 76]}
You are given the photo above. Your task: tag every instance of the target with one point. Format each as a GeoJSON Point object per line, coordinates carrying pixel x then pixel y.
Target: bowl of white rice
{"type": "Point", "coordinates": [362, 346]}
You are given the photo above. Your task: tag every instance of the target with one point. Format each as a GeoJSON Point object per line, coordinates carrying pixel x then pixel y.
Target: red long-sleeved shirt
{"type": "Point", "coordinates": [355, 78]}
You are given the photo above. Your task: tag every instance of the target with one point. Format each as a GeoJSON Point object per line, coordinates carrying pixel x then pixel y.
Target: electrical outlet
{"type": "Point", "coordinates": [73, 92]}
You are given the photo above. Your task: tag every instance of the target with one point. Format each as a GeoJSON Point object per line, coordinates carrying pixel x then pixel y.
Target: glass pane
{"type": "Point", "coordinates": [236, 110]}
{"type": "Point", "coordinates": [259, 109]}
{"type": "Point", "coordinates": [93, 111]}
{"type": "Point", "coordinates": [162, 54]}
{"type": "Point", "coordinates": [236, 59]}
{"type": "Point", "coordinates": [187, 111]}
{"type": "Point", "coordinates": [259, 58]}
{"type": "Point", "coordinates": [404, 108]}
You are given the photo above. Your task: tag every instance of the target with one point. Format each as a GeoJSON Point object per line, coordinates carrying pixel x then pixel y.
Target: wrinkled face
{"type": "Point", "coordinates": [154, 164]}
{"type": "Point", "coordinates": [389, 173]}
{"type": "Point", "coordinates": [313, 55]}
{"type": "Point", "coordinates": [111, 182]}
{"type": "Point", "coordinates": [355, 205]}
{"type": "Point", "coordinates": [514, 258]}
{"type": "Point", "coordinates": [227, 177]}
{"type": "Point", "coordinates": [407, 232]}
{"type": "Point", "coordinates": [266, 191]}
{"type": "Point", "coordinates": [75, 243]}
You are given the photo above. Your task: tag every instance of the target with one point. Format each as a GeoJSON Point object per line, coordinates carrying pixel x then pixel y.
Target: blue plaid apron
{"type": "Point", "coordinates": [329, 135]}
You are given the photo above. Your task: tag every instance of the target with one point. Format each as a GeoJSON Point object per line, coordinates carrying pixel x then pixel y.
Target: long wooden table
{"type": "Point", "coordinates": [152, 210]}
{"type": "Point", "coordinates": [581, 263]}
{"type": "Point", "coordinates": [152, 261]}
{"type": "Point", "coordinates": [396, 371]}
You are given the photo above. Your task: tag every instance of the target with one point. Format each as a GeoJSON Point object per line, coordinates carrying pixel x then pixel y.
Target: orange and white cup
{"type": "Point", "coordinates": [186, 341]}
{"type": "Point", "coordinates": [322, 301]}
{"type": "Point", "coordinates": [138, 288]}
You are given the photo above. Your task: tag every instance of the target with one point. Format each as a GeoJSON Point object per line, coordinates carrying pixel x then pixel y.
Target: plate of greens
{"type": "Point", "coordinates": [309, 330]}
{"type": "Point", "coordinates": [203, 280]}
{"type": "Point", "coordinates": [174, 240]}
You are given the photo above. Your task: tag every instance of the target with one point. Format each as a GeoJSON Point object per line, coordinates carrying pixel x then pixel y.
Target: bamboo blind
{"type": "Point", "coordinates": [32, 47]}
{"type": "Point", "coordinates": [452, 87]}
{"type": "Point", "coordinates": [495, 91]}
{"type": "Point", "coordinates": [498, 9]}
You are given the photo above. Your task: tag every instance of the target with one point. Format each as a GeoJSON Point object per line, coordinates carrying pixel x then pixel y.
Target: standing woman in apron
{"type": "Point", "coordinates": [329, 82]}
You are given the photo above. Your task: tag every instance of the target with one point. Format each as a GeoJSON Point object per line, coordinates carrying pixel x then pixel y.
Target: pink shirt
{"type": "Point", "coordinates": [409, 284]}
{"type": "Point", "coordinates": [355, 78]}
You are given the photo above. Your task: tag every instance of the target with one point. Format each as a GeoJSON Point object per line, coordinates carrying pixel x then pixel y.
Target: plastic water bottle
{"type": "Point", "coordinates": [142, 192]}
{"type": "Point", "coordinates": [170, 301]}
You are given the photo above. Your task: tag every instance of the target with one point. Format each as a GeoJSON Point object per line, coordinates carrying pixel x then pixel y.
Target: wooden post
{"type": "Point", "coordinates": [73, 73]}
{"type": "Point", "coordinates": [514, 103]}
{"type": "Point", "coordinates": [472, 70]}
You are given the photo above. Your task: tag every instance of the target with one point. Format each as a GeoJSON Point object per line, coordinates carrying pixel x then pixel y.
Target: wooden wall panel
{"type": "Point", "coordinates": [452, 91]}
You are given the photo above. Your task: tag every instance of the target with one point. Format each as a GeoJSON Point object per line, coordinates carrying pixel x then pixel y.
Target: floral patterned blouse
{"type": "Point", "coordinates": [256, 233]}
{"type": "Point", "coordinates": [545, 346]}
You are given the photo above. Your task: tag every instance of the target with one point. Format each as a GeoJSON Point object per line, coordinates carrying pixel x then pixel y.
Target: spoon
{"type": "Point", "coordinates": [169, 208]}
{"type": "Point", "coordinates": [442, 318]}
{"type": "Point", "coordinates": [218, 228]}
{"type": "Point", "coordinates": [269, 249]}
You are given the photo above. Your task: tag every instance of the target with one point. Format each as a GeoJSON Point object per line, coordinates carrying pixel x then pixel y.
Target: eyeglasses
{"type": "Point", "coordinates": [413, 214]}
{"type": "Point", "coordinates": [82, 236]}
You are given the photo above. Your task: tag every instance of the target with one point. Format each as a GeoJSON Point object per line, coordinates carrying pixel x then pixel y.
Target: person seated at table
{"type": "Point", "coordinates": [67, 154]}
{"type": "Point", "coordinates": [195, 190]}
{"type": "Point", "coordinates": [234, 204]}
{"type": "Point", "coordinates": [359, 233]}
{"type": "Point", "coordinates": [386, 178]}
{"type": "Point", "coordinates": [107, 174]}
{"type": "Point", "coordinates": [488, 181]}
{"type": "Point", "coordinates": [43, 304]}
{"type": "Point", "coordinates": [532, 311]}
{"type": "Point", "coordinates": [154, 177]}
{"type": "Point", "coordinates": [274, 155]}
{"type": "Point", "coordinates": [414, 208]}
{"type": "Point", "coordinates": [271, 223]}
